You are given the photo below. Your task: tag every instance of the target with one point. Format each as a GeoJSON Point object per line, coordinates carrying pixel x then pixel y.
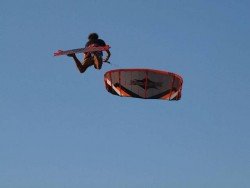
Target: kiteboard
{"type": "Point", "coordinates": [82, 50]}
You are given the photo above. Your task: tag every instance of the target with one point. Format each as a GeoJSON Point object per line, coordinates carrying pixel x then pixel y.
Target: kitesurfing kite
{"type": "Point", "coordinates": [144, 83]}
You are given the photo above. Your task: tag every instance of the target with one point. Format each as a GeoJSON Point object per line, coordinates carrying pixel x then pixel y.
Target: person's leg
{"type": "Point", "coordinates": [97, 61]}
{"type": "Point", "coordinates": [86, 63]}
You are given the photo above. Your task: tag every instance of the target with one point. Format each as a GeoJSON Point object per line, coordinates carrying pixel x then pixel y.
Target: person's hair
{"type": "Point", "coordinates": [93, 36]}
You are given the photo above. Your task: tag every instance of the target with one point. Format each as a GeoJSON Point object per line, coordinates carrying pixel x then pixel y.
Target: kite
{"type": "Point", "coordinates": [144, 84]}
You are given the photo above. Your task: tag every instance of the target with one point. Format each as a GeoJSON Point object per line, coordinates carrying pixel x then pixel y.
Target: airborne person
{"type": "Point", "coordinates": [92, 58]}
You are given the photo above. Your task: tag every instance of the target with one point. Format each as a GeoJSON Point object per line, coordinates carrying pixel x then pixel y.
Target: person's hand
{"type": "Point", "coordinates": [105, 60]}
{"type": "Point", "coordinates": [71, 55]}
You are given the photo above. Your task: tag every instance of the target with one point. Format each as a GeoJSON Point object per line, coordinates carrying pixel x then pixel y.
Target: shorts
{"type": "Point", "coordinates": [95, 59]}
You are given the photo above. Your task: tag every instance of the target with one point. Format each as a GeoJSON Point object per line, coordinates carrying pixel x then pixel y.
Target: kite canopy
{"type": "Point", "coordinates": [144, 83]}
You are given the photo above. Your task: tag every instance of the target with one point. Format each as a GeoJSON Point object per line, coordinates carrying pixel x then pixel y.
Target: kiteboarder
{"type": "Point", "coordinates": [92, 58]}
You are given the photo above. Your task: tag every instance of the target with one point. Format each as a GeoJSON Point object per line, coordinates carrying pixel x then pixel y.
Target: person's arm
{"type": "Point", "coordinates": [77, 62]}
{"type": "Point", "coordinates": [108, 56]}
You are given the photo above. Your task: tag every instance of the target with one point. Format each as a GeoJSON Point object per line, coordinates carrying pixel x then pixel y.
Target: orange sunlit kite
{"type": "Point", "coordinates": [144, 83]}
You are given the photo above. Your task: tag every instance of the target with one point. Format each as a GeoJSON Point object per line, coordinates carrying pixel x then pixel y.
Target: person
{"type": "Point", "coordinates": [92, 58]}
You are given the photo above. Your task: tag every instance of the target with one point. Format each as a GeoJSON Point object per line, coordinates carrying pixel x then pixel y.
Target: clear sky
{"type": "Point", "coordinates": [62, 129]}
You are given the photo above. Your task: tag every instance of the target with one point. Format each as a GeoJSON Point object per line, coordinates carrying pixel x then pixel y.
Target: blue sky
{"type": "Point", "coordinates": [60, 128]}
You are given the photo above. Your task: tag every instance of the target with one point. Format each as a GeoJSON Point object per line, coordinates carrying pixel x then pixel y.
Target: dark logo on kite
{"type": "Point", "coordinates": [146, 83]}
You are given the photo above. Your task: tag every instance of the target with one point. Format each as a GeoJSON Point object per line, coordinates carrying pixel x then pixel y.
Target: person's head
{"type": "Point", "coordinates": [93, 36]}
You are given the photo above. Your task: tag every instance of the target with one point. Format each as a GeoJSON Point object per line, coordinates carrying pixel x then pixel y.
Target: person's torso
{"type": "Point", "coordinates": [98, 42]}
